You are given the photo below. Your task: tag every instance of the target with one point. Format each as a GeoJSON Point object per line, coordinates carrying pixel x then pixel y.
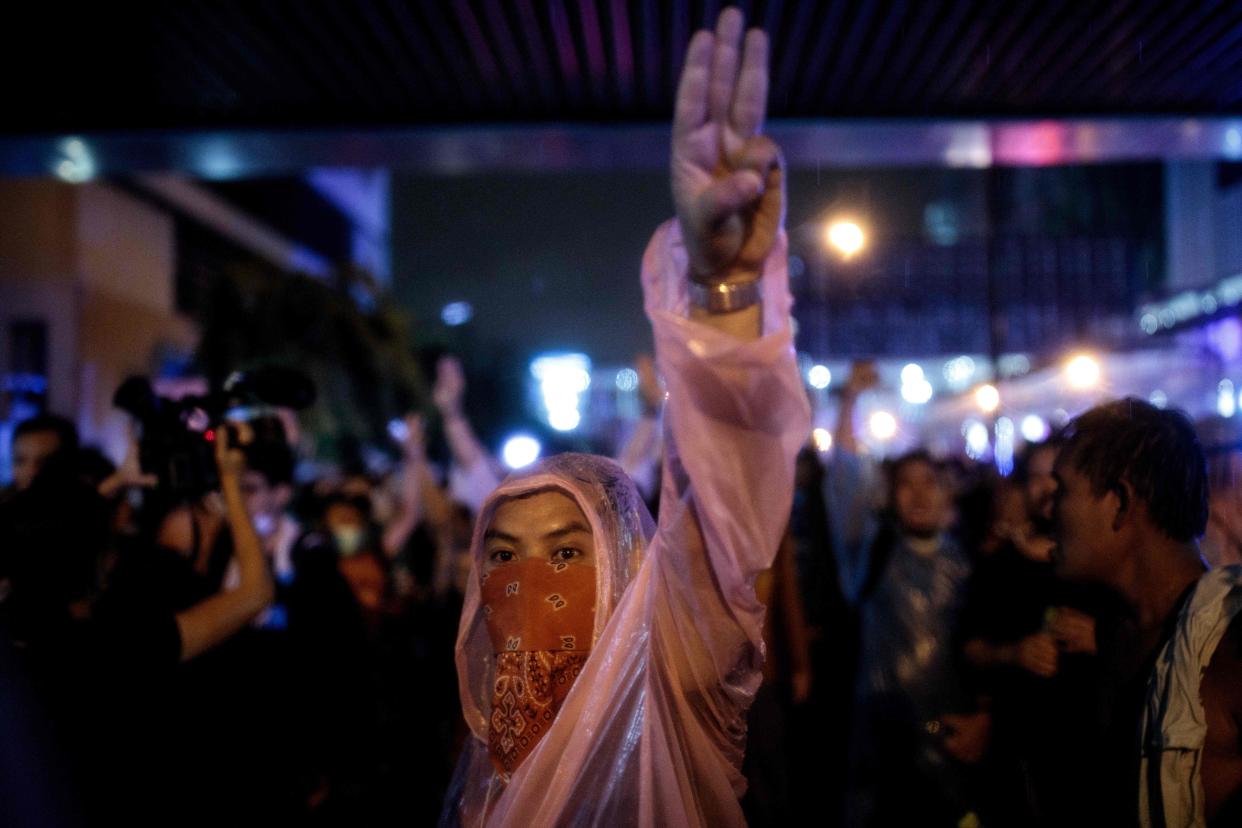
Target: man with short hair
{"type": "Point", "coordinates": [914, 725]}
{"type": "Point", "coordinates": [914, 728]}
{"type": "Point", "coordinates": [1130, 506]}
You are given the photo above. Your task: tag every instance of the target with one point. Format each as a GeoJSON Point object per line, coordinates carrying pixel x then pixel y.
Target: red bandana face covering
{"type": "Point", "coordinates": [540, 617]}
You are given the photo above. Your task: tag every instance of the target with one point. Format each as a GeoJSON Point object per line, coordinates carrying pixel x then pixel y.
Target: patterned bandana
{"type": "Point", "coordinates": [541, 618]}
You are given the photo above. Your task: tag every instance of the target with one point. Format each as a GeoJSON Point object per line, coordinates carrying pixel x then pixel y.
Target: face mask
{"type": "Point", "coordinates": [540, 618]}
{"type": "Point", "coordinates": [349, 539]}
{"type": "Point", "coordinates": [265, 525]}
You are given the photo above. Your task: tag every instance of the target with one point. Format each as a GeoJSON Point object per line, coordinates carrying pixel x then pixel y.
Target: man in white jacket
{"type": "Point", "coordinates": [1130, 506]}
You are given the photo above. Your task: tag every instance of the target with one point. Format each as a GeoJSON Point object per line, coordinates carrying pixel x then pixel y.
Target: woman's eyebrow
{"type": "Point", "coordinates": [496, 534]}
{"type": "Point", "coordinates": [568, 529]}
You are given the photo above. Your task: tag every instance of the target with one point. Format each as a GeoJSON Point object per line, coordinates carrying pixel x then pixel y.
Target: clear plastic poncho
{"type": "Point", "coordinates": [653, 730]}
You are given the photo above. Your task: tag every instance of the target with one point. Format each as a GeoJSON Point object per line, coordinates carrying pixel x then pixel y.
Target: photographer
{"type": "Point", "coordinates": [53, 563]}
{"type": "Point", "coordinates": [99, 657]}
{"type": "Point", "coordinates": [212, 621]}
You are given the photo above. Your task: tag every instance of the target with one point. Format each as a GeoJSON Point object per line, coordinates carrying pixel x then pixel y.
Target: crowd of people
{"type": "Point", "coordinates": [283, 647]}
{"type": "Point", "coordinates": [919, 641]}
{"type": "Point", "coordinates": [275, 644]}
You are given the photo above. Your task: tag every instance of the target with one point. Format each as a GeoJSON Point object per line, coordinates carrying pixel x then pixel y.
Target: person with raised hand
{"type": "Point", "coordinates": [472, 473]}
{"type": "Point", "coordinates": [217, 618]}
{"type": "Point", "coordinates": [605, 664]}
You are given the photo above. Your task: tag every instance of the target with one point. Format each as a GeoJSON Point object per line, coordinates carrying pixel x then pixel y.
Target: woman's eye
{"type": "Point", "coordinates": [502, 556]}
{"type": "Point", "coordinates": [566, 554]}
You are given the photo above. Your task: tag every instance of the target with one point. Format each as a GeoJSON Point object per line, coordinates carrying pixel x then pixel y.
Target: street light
{"type": "Point", "coordinates": [987, 398]}
{"type": "Point", "coordinates": [846, 236]}
{"type": "Point", "coordinates": [1082, 372]}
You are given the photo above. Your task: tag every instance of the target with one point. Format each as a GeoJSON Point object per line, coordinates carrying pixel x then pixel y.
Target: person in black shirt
{"type": "Point", "coordinates": [1030, 639]}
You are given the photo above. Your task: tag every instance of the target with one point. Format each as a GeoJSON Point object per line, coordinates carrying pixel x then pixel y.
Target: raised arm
{"type": "Point", "coordinates": [213, 620]}
{"type": "Point", "coordinates": [660, 705]}
{"type": "Point", "coordinates": [849, 489]}
{"type": "Point", "coordinates": [727, 178]}
{"type": "Point", "coordinates": [409, 513]}
{"type": "Point", "coordinates": [736, 411]}
{"type": "Point", "coordinates": [473, 475]}
{"type": "Point", "coordinates": [862, 378]}
{"type": "Point", "coordinates": [448, 394]}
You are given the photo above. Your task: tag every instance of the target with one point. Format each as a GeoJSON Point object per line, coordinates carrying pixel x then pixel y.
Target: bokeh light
{"type": "Point", "coordinates": [520, 451]}
{"type": "Point", "coordinates": [987, 398]}
{"type": "Point", "coordinates": [883, 425]}
{"type": "Point", "coordinates": [846, 237]}
{"type": "Point", "coordinates": [1082, 372]}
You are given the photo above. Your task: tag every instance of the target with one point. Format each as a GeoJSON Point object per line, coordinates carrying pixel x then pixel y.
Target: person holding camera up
{"type": "Point", "coordinates": [97, 656]}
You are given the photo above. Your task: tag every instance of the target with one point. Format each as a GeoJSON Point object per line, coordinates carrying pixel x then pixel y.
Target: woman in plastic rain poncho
{"type": "Point", "coordinates": [606, 665]}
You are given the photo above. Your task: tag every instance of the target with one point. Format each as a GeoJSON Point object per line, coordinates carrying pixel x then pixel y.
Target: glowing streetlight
{"type": "Point", "coordinates": [987, 398]}
{"type": "Point", "coordinates": [846, 236]}
{"type": "Point", "coordinates": [1082, 372]}
{"type": "Point", "coordinates": [883, 425]}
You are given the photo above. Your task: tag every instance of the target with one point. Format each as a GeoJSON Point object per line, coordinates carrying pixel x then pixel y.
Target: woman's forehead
{"type": "Point", "coordinates": [537, 513]}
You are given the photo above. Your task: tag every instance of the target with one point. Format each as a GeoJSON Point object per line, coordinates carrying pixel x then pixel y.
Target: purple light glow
{"type": "Point", "coordinates": [1225, 338]}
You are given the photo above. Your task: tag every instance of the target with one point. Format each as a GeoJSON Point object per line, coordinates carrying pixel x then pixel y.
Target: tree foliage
{"type": "Point", "coordinates": [344, 332]}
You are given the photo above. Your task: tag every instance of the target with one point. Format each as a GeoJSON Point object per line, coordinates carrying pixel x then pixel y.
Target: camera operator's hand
{"type": "Point", "coordinates": [230, 461]}
{"type": "Point", "coordinates": [214, 620]}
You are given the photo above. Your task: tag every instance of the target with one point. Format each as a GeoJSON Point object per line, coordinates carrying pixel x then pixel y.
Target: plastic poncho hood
{"type": "Point", "coordinates": [620, 527]}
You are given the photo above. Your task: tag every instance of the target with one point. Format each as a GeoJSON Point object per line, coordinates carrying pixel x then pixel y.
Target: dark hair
{"type": "Point", "coordinates": [63, 428]}
{"type": "Point", "coordinates": [1155, 451]}
{"type": "Point", "coordinates": [272, 459]}
{"type": "Point", "coordinates": [360, 502]}
{"type": "Point", "coordinates": [910, 458]}
{"type": "Point", "coordinates": [1022, 468]}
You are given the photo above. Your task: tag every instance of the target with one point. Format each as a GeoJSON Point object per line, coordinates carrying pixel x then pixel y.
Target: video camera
{"type": "Point", "coordinates": [177, 437]}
